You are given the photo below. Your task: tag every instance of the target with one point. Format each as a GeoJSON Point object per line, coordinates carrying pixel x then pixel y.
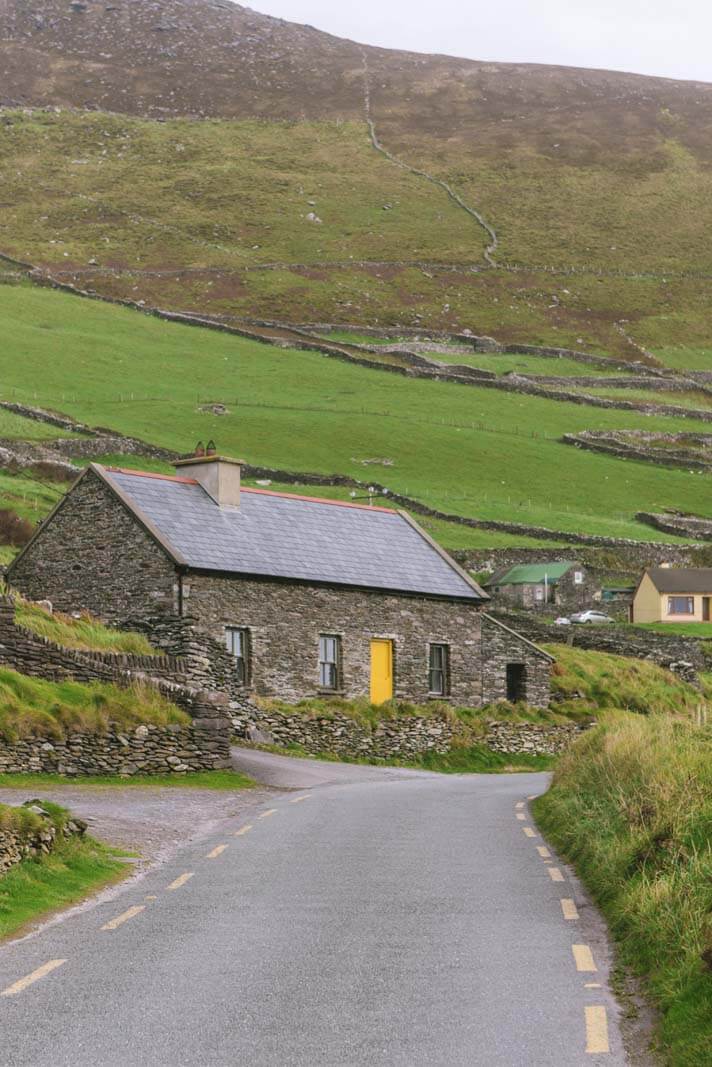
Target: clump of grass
{"type": "Point", "coordinates": [594, 681]}
{"type": "Point", "coordinates": [40, 886]}
{"type": "Point", "coordinates": [84, 633]}
{"type": "Point", "coordinates": [631, 807]}
{"type": "Point", "coordinates": [33, 707]}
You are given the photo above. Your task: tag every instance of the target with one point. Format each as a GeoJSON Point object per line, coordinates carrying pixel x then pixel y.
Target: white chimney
{"type": "Point", "coordinates": [219, 476]}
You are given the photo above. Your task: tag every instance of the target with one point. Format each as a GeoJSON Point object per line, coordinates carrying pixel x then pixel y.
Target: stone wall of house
{"type": "Point", "coordinates": [502, 646]}
{"type": "Point", "coordinates": [93, 555]}
{"type": "Point", "coordinates": [531, 738]}
{"type": "Point", "coordinates": [146, 749]}
{"type": "Point", "coordinates": [402, 738]}
{"type": "Point", "coordinates": [16, 846]}
{"type": "Point", "coordinates": [285, 621]}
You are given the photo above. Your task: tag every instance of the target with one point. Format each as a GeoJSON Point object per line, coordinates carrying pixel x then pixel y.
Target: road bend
{"type": "Point", "coordinates": [360, 916]}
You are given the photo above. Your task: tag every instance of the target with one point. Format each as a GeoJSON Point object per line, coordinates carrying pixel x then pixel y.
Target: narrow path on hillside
{"type": "Point", "coordinates": [455, 197]}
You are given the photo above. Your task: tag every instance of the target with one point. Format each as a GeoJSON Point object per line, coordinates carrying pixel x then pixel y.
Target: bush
{"type": "Point", "coordinates": [14, 530]}
{"type": "Point", "coordinates": [631, 806]}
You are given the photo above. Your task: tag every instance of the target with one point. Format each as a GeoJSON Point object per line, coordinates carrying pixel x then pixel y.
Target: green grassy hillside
{"type": "Point", "coordinates": [463, 449]}
{"type": "Point", "coordinates": [214, 217]}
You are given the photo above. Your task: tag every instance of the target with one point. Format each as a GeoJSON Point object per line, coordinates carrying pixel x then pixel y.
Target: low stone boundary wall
{"type": "Point", "coordinates": [16, 847]}
{"type": "Point", "coordinates": [531, 738]}
{"type": "Point", "coordinates": [143, 750]}
{"type": "Point", "coordinates": [402, 738]}
{"type": "Point", "coordinates": [682, 655]}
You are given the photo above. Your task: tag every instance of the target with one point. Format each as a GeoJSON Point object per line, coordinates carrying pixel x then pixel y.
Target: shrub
{"type": "Point", "coordinates": [14, 530]}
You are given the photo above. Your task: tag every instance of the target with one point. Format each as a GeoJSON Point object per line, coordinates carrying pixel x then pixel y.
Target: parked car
{"type": "Point", "coordinates": [562, 620]}
{"type": "Point", "coordinates": [591, 616]}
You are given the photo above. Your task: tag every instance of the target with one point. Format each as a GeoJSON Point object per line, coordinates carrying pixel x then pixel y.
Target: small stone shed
{"type": "Point", "coordinates": [541, 586]}
{"type": "Point", "coordinates": [298, 596]}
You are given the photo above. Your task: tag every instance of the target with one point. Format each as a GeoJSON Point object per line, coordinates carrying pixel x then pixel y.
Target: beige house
{"type": "Point", "coordinates": [673, 594]}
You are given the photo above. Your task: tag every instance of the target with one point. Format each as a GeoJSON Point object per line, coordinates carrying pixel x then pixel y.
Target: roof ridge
{"type": "Point", "coordinates": [319, 500]}
{"type": "Point", "coordinates": [151, 474]}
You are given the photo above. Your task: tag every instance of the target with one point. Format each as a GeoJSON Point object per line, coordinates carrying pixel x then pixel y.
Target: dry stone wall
{"type": "Point", "coordinates": [530, 738]}
{"type": "Point", "coordinates": [16, 846]}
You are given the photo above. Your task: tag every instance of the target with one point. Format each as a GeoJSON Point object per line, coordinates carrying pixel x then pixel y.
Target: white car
{"type": "Point", "coordinates": [562, 620]}
{"type": "Point", "coordinates": [591, 616]}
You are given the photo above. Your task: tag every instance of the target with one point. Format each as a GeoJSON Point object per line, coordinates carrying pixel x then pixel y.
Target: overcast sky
{"type": "Point", "coordinates": [673, 39]}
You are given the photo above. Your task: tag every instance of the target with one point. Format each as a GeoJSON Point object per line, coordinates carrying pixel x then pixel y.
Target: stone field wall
{"type": "Point", "coordinates": [16, 846]}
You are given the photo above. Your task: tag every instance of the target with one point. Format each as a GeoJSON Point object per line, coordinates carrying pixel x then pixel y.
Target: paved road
{"type": "Point", "coordinates": [388, 919]}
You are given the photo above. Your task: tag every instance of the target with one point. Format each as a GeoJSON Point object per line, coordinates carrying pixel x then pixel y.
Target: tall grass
{"type": "Point", "coordinates": [85, 633]}
{"type": "Point", "coordinates": [32, 707]}
{"type": "Point", "coordinates": [631, 807]}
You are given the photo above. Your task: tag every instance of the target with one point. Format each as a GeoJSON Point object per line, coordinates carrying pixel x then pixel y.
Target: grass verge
{"type": "Point", "coordinates": [36, 888]}
{"type": "Point", "coordinates": [220, 780]}
{"type": "Point", "coordinates": [631, 808]}
{"type": "Point", "coordinates": [85, 633]}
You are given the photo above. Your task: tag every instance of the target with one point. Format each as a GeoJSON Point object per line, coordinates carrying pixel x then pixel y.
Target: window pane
{"type": "Point", "coordinates": [438, 669]}
{"type": "Point", "coordinates": [329, 661]}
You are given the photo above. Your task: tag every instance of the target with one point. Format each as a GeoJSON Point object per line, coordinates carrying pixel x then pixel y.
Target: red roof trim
{"type": "Point", "coordinates": [262, 492]}
{"type": "Point", "coordinates": [151, 474]}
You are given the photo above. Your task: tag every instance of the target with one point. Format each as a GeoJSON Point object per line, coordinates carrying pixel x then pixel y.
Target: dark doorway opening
{"type": "Point", "coordinates": [705, 609]}
{"type": "Point", "coordinates": [516, 682]}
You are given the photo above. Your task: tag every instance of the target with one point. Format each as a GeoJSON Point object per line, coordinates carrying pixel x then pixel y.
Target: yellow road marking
{"type": "Point", "coordinates": [555, 874]}
{"type": "Point", "coordinates": [543, 852]}
{"type": "Point", "coordinates": [298, 800]}
{"type": "Point", "coordinates": [533, 796]}
{"type": "Point", "coordinates": [519, 804]}
{"type": "Point", "coordinates": [528, 831]}
{"type": "Point", "coordinates": [181, 880]}
{"type": "Point", "coordinates": [151, 896]}
{"type": "Point", "coordinates": [266, 814]}
{"type": "Point", "coordinates": [30, 979]}
{"type": "Point", "coordinates": [569, 909]}
{"type": "Point", "coordinates": [592, 985]}
{"type": "Point", "coordinates": [596, 1029]}
{"type": "Point", "coordinates": [583, 958]}
{"type": "Point", "coordinates": [217, 851]}
{"type": "Point", "coordinates": [124, 917]}
{"type": "Point", "coordinates": [521, 815]}
{"type": "Point", "coordinates": [243, 830]}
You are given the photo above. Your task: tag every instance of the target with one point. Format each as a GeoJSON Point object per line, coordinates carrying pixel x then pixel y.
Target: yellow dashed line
{"type": "Point", "coordinates": [569, 909]}
{"type": "Point", "coordinates": [151, 896]}
{"type": "Point", "coordinates": [533, 796]}
{"type": "Point", "coordinates": [528, 831]}
{"type": "Point", "coordinates": [124, 917]}
{"type": "Point", "coordinates": [217, 851]}
{"type": "Point", "coordinates": [543, 852]}
{"type": "Point", "coordinates": [596, 1029]}
{"type": "Point", "coordinates": [30, 979]}
{"type": "Point", "coordinates": [298, 800]}
{"type": "Point", "coordinates": [266, 814]}
{"type": "Point", "coordinates": [519, 804]}
{"type": "Point", "coordinates": [521, 815]}
{"type": "Point", "coordinates": [242, 831]}
{"type": "Point", "coordinates": [592, 985]}
{"type": "Point", "coordinates": [181, 880]}
{"type": "Point", "coordinates": [583, 958]}
{"type": "Point", "coordinates": [555, 874]}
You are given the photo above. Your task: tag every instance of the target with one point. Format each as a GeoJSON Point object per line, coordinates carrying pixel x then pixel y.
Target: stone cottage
{"type": "Point", "coordinates": [295, 596]}
{"type": "Point", "coordinates": [563, 585]}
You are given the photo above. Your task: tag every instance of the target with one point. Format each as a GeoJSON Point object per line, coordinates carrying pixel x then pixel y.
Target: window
{"type": "Point", "coordinates": [538, 592]}
{"type": "Point", "coordinates": [516, 682]}
{"type": "Point", "coordinates": [329, 661]}
{"type": "Point", "coordinates": [439, 670]}
{"type": "Point", "coordinates": [578, 577]}
{"type": "Point", "coordinates": [237, 640]}
{"type": "Point", "coordinates": [681, 605]}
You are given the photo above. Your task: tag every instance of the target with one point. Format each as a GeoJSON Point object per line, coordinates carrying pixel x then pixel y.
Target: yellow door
{"type": "Point", "coordinates": [381, 671]}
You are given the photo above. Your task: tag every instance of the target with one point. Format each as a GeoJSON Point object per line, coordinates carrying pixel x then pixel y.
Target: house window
{"type": "Point", "coordinates": [237, 639]}
{"type": "Point", "coordinates": [329, 661]}
{"type": "Point", "coordinates": [681, 605]}
{"type": "Point", "coordinates": [539, 592]}
{"type": "Point", "coordinates": [439, 670]}
{"type": "Point", "coordinates": [578, 577]}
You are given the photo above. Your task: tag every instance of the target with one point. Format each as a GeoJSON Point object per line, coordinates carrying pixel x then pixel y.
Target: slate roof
{"type": "Point", "coordinates": [531, 574]}
{"type": "Point", "coordinates": [681, 579]}
{"type": "Point", "coordinates": [283, 536]}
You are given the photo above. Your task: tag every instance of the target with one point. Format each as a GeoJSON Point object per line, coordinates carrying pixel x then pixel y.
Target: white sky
{"type": "Point", "coordinates": [673, 39]}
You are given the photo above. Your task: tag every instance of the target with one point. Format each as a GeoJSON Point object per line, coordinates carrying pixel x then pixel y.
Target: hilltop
{"type": "Point", "coordinates": [207, 157]}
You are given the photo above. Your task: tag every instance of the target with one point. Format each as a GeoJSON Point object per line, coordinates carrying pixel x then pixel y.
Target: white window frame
{"type": "Point", "coordinates": [238, 641]}
{"type": "Point", "coordinates": [330, 662]}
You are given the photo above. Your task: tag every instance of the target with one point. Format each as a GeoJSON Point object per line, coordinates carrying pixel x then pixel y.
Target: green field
{"type": "Point", "coordinates": [451, 446]}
